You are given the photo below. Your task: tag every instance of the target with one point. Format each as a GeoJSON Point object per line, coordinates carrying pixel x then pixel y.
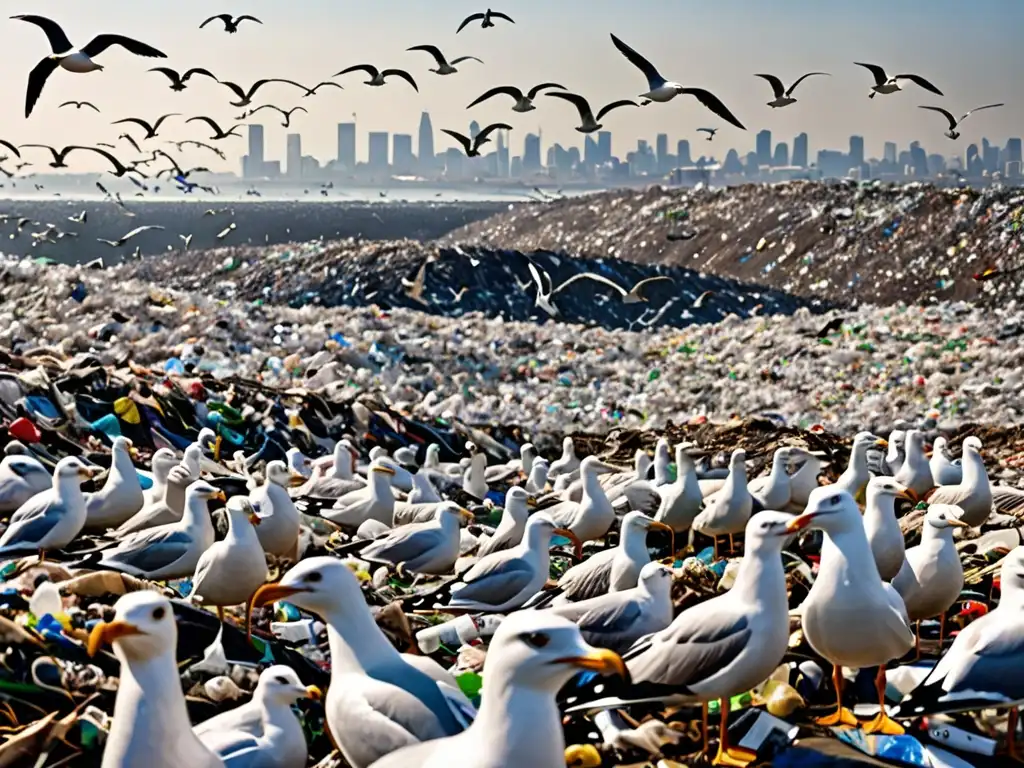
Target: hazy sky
{"type": "Point", "coordinates": [970, 50]}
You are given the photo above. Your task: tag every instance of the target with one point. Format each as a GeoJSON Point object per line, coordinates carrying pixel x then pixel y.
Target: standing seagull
{"type": "Point", "coordinates": [783, 95]}
{"type": "Point", "coordinates": [73, 60]}
{"type": "Point", "coordinates": [953, 133]}
{"type": "Point", "coordinates": [663, 90]}
{"type": "Point", "coordinates": [709, 131]}
{"type": "Point", "coordinates": [589, 123]}
{"type": "Point", "coordinates": [524, 103]}
{"type": "Point", "coordinates": [443, 66]}
{"type": "Point", "coordinates": [885, 84]}
{"type": "Point", "coordinates": [472, 146]}
{"type": "Point", "coordinates": [377, 76]}
{"type": "Point", "coordinates": [230, 25]}
{"type": "Point", "coordinates": [487, 19]}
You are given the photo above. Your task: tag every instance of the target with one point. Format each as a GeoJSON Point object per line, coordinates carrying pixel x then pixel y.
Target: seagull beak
{"type": "Point", "coordinates": [662, 527]}
{"type": "Point", "coordinates": [531, 501]}
{"type": "Point", "coordinates": [908, 494]}
{"type": "Point", "coordinates": [105, 633]}
{"type": "Point", "coordinates": [468, 516]}
{"type": "Point", "coordinates": [957, 523]}
{"type": "Point", "coordinates": [577, 544]}
{"type": "Point", "coordinates": [295, 479]}
{"type": "Point", "coordinates": [798, 524]}
{"type": "Point", "coordinates": [268, 593]}
{"type": "Point", "coordinates": [882, 443]}
{"type": "Point", "coordinates": [255, 519]}
{"type": "Point", "coordinates": [599, 660]}
{"type": "Point", "coordinates": [314, 693]}
{"type": "Point", "coordinates": [86, 473]}
{"type": "Point", "coordinates": [219, 496]}
{"type": "Point", "coordinates": [384, 470]}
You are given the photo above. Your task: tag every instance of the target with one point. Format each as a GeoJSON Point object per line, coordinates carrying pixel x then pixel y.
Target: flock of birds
{"type": "Point", "coordinates": [612, 613]}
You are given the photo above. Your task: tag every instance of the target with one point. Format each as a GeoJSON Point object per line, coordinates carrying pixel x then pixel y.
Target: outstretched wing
{"type": "Point", "coordinates": [581, 104]}
{"type": "Point", "coordinates": [469, 20]}
{"type": "Point", "coordinates": [615, 105]}
{"type": "Point", "coordinates": [434, 51]}
{"type": "Point", "coordinates": [498, 15]}
{"type": "Point", "coordinates": [402, 74]}
{"type": "Point", "coordinates": [465, 58]}
{"type": "Point", "coordinates": [946, 114]}
{"type": "Point", "coordinates": [712, 102]}
{"type": "Point", "coordinates": [590, 276]}
{"type": "Point", "coordinates": [369, 69]}
{"type": "Point", "coordinates": [156, 125]}
{"type": "Point", "coordinates": [11, 147]}
{"type": "Point", "coordinates": [173, 76]}
{"type": "Point", "coordinates": [260, 83]}
{"type": "Point", "coordinates": [119, 167]}
{"type": "Point", "coordinates": [775, 83]}
{"type": "Point", "coordinates": [100, 43]}
{"type": "Point", "coordinates": [240, 19]}
{"type": "Point", "coordinates": [59, 42]}
{"type": "Point", "coordinates": [978, 109]}
{"type": "Point", "coordinates": [209, 121]}
{"type": "Point", "coordinates": [507, 90]}
{"type": "Point", "coordinates": [198, 71]}
{"type": "Point", "coordinates": [654, 78]}
{"type": "Point", "coordinates": [876, 71]}
{"type": "Point", "coordinates": [802, 78]}
{"type": "Point", "coordinates": [225, 17]}
{"type": "Point", "coordinates": [465, 141]}
{"type": "Point", "coordinates": [921, 82]}
{"type": "Point", "coordinates": [491, 129]}
{"type": "Point", "coordinates": [538, 88]}
{"type": "Point", "coordinates": [138, 121]}
{"type": "Point", "coordinates": [36, 81]}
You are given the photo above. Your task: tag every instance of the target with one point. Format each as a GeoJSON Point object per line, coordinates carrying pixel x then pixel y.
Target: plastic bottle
{"type": "Point", "coordinates": [457, 632]}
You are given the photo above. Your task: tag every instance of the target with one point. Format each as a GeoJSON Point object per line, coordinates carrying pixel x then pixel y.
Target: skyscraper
{"type": "Point", "coordinates": [403, 160]}
{"type": "Point", "coordinates": [474, 129]}
{"type": "Point", "coordinates": [662, 149]}
{"type": "Point", "coordinates": [800, 152]}
{"type": "Point", "coordinates": [590, 151]}
{"type": "Point", "coordinates": [294, 160]}
{"type": "Point", "coordinates": [379, 150]}
{"type": "Point", "coordinates": [856, 151]}
{"type": "Point", "coordinates": [604, 146]}
{"type": "Point", "coordinates": [531, 153]}
{"type": "Point", "coordinates": [1012, 159]}
{"type": "Point", "coordinates": [502, 157]}
{"type": "Point", "coordinates": [890, 152]}
{"type": "Point", "coordinates": [764, 147]}
{"type": "Point", "coordinates": [781, 157]}
{"type": "Point", "coordinates": [683, 153]}
{"type": "Point", "coordinates": [255, 160]}
{"type": "Point", "coordinates": [919, 159]}
{"type": "Point", "coordinates": [426, 145]}
{"type": "Point", "coordinates": [347, 146]}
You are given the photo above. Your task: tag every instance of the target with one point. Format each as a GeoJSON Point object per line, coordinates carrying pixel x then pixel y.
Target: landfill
{"type": "Point", "coordinates": [244, 356]}
{"type": "Point", "coordinates": [870, 242]}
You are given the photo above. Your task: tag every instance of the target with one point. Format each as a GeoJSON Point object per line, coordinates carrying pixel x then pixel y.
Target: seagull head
{"type": "Point", "coordinates": [542, 651]}
{"type": "Point", "coordinates": [200, 489]}
{"type": "Point", "coordinates": [637, 522]}
{"type": "Point", "coordinates": [325, 586]}
{"type": "Point", "coordinates": [943, 516]}
{"type": "Point", "coordinates": [449, 509]}
{"type": "Point", "coordinates": [278, 473]}
{"type": "Point", "coordinates": [828, 508]}
{"type": "Point", "coordinates": [143, 628]}
{"type": "Point", "coordinates": [72, 470]}
{"type": "Point", "coordinates": [540, 528]}
{"type": "Point", "coordinates": [886, 486]}
{"type": "Point", "coordinates": [241, 509]}
{"type": "Point", "coordinates": [656, 578]}
{"type": "Point", "coordinates": [517, 500]}
{"type": "Point", "coordinates": [280, 685]}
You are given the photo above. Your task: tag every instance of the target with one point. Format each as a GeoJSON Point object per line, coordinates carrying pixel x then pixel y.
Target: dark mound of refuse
{"type": "Point", "coordinates": [871, 242]}
{"type": "Point", "coordinates": [457, 281]}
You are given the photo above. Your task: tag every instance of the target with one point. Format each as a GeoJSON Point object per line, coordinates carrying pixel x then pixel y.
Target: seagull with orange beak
{"type": "Point", "coordinates": [854, 479]}
{"type": "Point", "coordinates": [150, 726]}
{"type": "Point", "coordinates": [379, 699]}
{"type": "Point", "coordinates": [881, 526]}
{"type": "Point", "coordinates": [531, 656]}
{"type": "Point", "coordinates": [280, 520]}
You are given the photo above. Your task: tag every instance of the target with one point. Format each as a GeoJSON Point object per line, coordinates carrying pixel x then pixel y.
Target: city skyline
{"type": "Point", "coordinates": [568, 42]}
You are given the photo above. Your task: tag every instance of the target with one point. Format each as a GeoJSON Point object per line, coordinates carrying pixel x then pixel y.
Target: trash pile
{"type": "Point", "coordinates": [458, 281]}
{"type": "Point", "coordinates": [869, 242]}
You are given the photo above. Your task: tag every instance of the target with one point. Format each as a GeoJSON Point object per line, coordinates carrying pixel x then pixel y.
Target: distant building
{"type": "Point", "coordinates": [662, 150]}
{"type": "Point", "coordinates": [752, 166]}
{"type": "Point", "coordinates": [347, 146]}
{"type": "Point", "coordinates": [310, 167]}
{"type": "Point", "coordinates": [990, 157]}
{"type": "Point", "coordinates": [890, 152]}
{"type": "Point", "coordinates": [474, 129]}
{"type": "Point", "coordinates": [937, 164]}
{"type": "Point", "coordinates": [604, 146]}
{"type": "Point", "coordinates": [919, 159]}
{"type": "Point", "coordinates": [833, 164]}
{"type": "Point", "coordinates": [516, 167]}
{"type": "Point", "coordinates": [856, 151]}
{"type": "Point", "coordinates": [973, 162]}
{"type": "Point", "coordinates": [294, 156]}
{"type": "Point", "coordinates": [531, 153]}
{"type": "Point", "coordinates": [800, 151]}
{"type": "Point", "coordinates": [501, 157]}
{"type": "Point", "coordinates": [764, 148]}
{"type": "Point", "coordinates": [683, 153]}
{"type": "Point", "coordinates": [454, 164]}
{"type": "Point", "coordinates": [591, 153]}
{"type": "Point", "coordinates": [402, 158]}
{"type": "Point", "coordinates": [378, 160]}
{"type": "Point", "coordinates": [1013, 159]}
{"type": "Point", "coordinates": [427, 159]}
{"type": "Point", "coordinates": [256, 152]}
{"type": "Point", "coordinates": [781, 157]}
{"type": "Point", "coordinates": [732, 165]}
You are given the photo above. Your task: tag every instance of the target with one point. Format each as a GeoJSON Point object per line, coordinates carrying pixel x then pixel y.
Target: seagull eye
{"type": "Point", "coordinates": [158, 613]}
{"type": "Point", "coordinates": [315, 577]}
{"type": "Point", "coordinates": [536, 639]}
{"type": "Point", "coordinates": [281, 679]}
{"type": "Point", "coordinates": [834, 500]}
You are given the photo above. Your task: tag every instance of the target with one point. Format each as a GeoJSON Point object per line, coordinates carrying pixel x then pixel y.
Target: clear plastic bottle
{"type": "Point", "coordinates": [457, 632]}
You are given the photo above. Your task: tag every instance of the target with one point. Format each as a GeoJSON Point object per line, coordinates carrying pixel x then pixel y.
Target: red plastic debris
{"type": "Point", "coordinates": [24, 430]}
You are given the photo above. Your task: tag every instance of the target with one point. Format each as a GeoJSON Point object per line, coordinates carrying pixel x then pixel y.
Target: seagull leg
{"type": "Point", "coordinates": [882, 723]}
{"type": "Point", "coordinates": [704, 723]}
{"type": "Point", "coordinates": [220, 613]}
{"type": "Point", "coordinates": [942, 630]}
{"type": "Point", "coordinates": [727, 754]}
{"type": "Point", "coordinates": [917, 640]}
{"type": "Point", "coordinates": [1011, 736]}
{"type": "Point", "coordinates": [42, 555]}
{"type": "Point", "coordinates": [841, 716]}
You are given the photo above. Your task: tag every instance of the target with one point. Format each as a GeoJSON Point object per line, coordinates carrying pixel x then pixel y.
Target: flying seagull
{"type": "Point", "coordinates": [230, 24]}
{"type": "Point", "coordinates": [151, 130]}
{"type": "Point", "coordinates": [661, 90]}
{"type": "Point", "coordinates": [245, 97]}
{"type": "Point", "coordinates": [590, 124]}
{"type": "Point", "coordinates": [59, 157]}
{"type": "Point", "coordinates": [487, 20]}
{"type": "Point", "coordinates": [524, 102]}
{"type": "Point", "coordinates": [11, 147]}
{"type": "Point", "coordinates": [953, 133]}
{"type": "Point", "coordinates": [472, 146]}
{"type": "Point", "coordinates": [885, 84]}
{"type": "Point", "coordinates": [193, 143]}
{"type": "Point", "coordinates": [125, 238]}
{"type": "Point", "coordinates": [377, 76]}
{"type": "Point", "coordinates": [66, 56]}
{"type": "Point", "coordinates": [443, 66]}
{"type": "Point", "coordinates": [709, 131]}
{"type": "Point", "coordinates": [178, 81]}
{"type": "Point", "coordinates": [633, 296]}
{"type": "Point", "coordinates": [286, 112]}
{"type": "Point", "coordinates": [318, 86]}
{"type": "Point", "coordinates": [220, 134]}
{"type": "Point", "coordinates": [79, 105]}
{"type": "Point", "coordinates": [783, 95]}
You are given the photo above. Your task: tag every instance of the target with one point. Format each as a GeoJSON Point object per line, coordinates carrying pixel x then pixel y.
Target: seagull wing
{"type": "Point", "coordinates": [36, 81]}
{"type": "Point", "coordinates": [465, 141]}
{"type": "Point", "coordinates": [582, 105]}
{"type": "Point", "coordinates": [173, 76]}
{"type": "Point", "coordinates": [712, 131]}
{"type": "Point", "coordinates": [876, 71]}
{"type": "Point", "coordinates": [952, 120]}
{"type": "Point", "coordinates": [776, 83]}
{"type": "Point", "coordinates": [237, 89]}
{"type": "Point", "coordinates": [712, 102]}
{"type": "Point", "coordinates": [538, 88]}
{"type": "Point", "coordinates": [491, 129]}
{"type": "Point", "coordinates": [198, 71]}
{"type": "Point", "coordinates": [139, 230]}
{"type": "Point", "coordinates": [802, 78]}
{"type": "Point", "coordinates": [498, 15]}
{"type": "Point", "coordinates": [643, 283]}
{"type": "Point", "coordinates": [260, 83]}
{"type": "Point", "coordinates": [265, 106]}
{"type": "Point", "coordinates": [57, 156]}
{"type": "Point", "coordinates": [434, 51]}
{"type": "Point", "coordinates": [119, 167]}
{"type": "Point", "coordinates": [150, 130]}
{"type": "Point", "coordinates": [654, 78]}
{"type": "Point", "coordinates": [978, 109]}
{"type": "Point", "coordinates": [159, 120]}
{"type": "Point", "coordinates": [402, 74]}
{"type": "Point", "coordinates": [917, 79]}
{"type": "Point", "coordinates": [469, 20]}
{"type": "Point", "coordinates": [130, 140]}
{"type": "Point", "coordinates": [465, 58]}
{"type": "Point", "coordinates": [209, 121]}
{"type": "Point", "coordinates": [590, 276]}
{"type": "Point", "coordinates": [11, 147]}
{"type": "Point", "coordinates": [225, 17]}
{"type": "Point", "coordinates": [240, 19]}
{"type": "Point", "coordinates": [369, 69]}
{"type": "Point", "coordinates": [100, 43]}
{"type": "Point", "coordinates": [507, 90]}
{"type": "Point", "coordinates": [615, 105]}
{"type": "Point", "coordinates": [59, 42]}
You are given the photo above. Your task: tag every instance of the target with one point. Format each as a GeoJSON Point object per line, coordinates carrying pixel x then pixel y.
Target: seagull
{"type": "Point", "coordinates": [443, 66]}
{"type": "Point", "coordinates": [377, 76]}
{"type": "Point", "coordinates": [245, 97]}
{"type": "Point", "coordinates": [885, 84]}
{"type": "Point", "coordinates": [80, 218]}
{"type": "Point", "coordinates": [662, 90]}
{"type": "Point", "coordinates": [193, 143]}
{"type": "Point", "coordinates": [79, 105]}
{"type": "Point", "coordinates": [151, 130]}
{"type": "Point", "coordinates": [61, 156]}
{"type": "Point", "coordinates": [128, 137]}
{"type": "Point", "coordinates": [220, 134]}
{"type": "Point", "coordinates": [783, 95]}
{"type": "Point", "coordinates": [324, 84]}
{"type": "Point", "coordinates": [65, 55]}
{"type": "Point", "coordinates": [178, 81]}
{"type": "Point", "coordinates": [11, 147]}
{"type": "Point", "coordinates": [709, 131]}
{"type": "Point", "coordinates": [472, 146]}
{"type": "Point", "coordinates": [524, 103]}
{"type": "Point", "coordinates": [230, 25]}
{"type": "Point", "coordinates": [633, 296]}
{"type": "Point", "coordinates": [125, 238]}
{"type": "Point", "coordinates": [953, 122]}
{"type": "Point", "coordinates": [487, 19]}
{"type": "Point", "coordinates": [286, 112]}
{"type": "Point", "coordinates": [590, 124]}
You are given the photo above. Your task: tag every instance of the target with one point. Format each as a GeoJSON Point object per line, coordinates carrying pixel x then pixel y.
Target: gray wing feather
{"type": "Point", "coordinates": [1007, 500]}
{"type": "Point", "coordinates": [694, 651]}
{"type": "Point", "coordinates": [590, 578]}
{"type": "Point", "coordinates": [495, 580]}
{"type": "Point", "coordinates": [31, 528]}
{"type": "Point", "coordinates": [390, 719]}
{"type": "Point", "coordinates": [404, 545]}
{"type": "Point", "coordinates": [150, 552]}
